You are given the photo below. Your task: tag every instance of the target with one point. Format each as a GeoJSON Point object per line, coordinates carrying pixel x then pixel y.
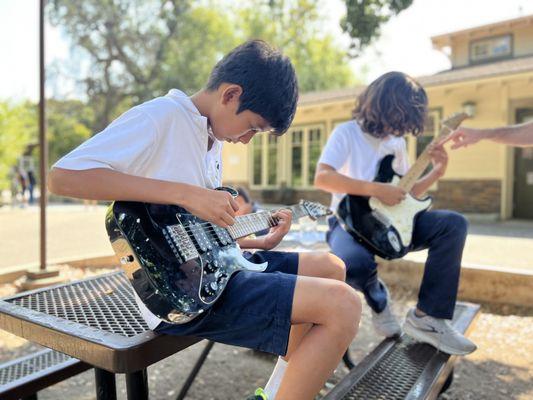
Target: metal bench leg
{"type": "Point", "coordinates": [347, 358]}
{"type": "Point", "coordinates": [137, 385]}
{"type": "Point", "coordinates": [106, 388]}
{"type": "Point", "coordinates": [190, 379]}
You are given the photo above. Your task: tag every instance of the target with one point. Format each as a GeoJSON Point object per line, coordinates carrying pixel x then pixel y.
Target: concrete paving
{"type": "Point", "coordinates": [76, 231]}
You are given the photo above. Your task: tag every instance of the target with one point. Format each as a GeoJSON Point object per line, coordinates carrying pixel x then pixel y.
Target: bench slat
{"type": "Point", "coordinates": [29, 374]}
{"type": "Point", "coordinates": [402, 368]}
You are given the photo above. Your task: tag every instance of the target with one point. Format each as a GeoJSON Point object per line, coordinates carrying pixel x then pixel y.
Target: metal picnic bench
{"type": "Point", "coordinates": [92, 323]}
{"type": "Point", "coordinates": [95, 323]}
{"type": "Point", "coordinates": [402, 368]}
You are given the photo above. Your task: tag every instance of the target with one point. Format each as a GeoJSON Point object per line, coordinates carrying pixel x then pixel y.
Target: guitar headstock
{"type": "Point", "coordinates": [315, 210]}
{"type": "Point", "coordinates": [452, 123]}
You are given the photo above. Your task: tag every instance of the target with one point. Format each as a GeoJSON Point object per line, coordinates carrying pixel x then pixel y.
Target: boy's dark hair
{"type": "Point", "coordinates": [244, 194]}
{"type": "Point", "coordinates": [393, 104]}
{"type": "Point", "coordinates": [267, 78]}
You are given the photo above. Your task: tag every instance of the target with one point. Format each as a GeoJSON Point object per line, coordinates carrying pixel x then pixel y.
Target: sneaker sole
{"type": "Point", "coordinates": [410, 330]}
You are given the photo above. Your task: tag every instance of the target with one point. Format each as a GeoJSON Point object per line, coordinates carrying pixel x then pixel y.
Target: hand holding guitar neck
{"type": "Point", "coordinates": [277, 232]}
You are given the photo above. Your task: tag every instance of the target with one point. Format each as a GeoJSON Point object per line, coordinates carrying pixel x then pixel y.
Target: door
{"type": "Point", "coordinates": [523, 182]}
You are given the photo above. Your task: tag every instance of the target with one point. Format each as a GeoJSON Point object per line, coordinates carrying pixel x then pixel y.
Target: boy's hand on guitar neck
{"type": "Point", "coordinates": [439, 158]}
{"type": "Point", "coordinates": [215, 206]}
{"type": "Point", "coordinates": [388, 194]}
{"type": "Point", "coordinates": [276, 234]}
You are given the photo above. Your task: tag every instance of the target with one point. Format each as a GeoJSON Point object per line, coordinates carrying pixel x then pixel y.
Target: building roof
{"type": "Point", "coordinates": [507, 67]}
{"type": "Point", "coordinates": [445, 39]}
{"type": "Point", "coordinates": [489, 70]}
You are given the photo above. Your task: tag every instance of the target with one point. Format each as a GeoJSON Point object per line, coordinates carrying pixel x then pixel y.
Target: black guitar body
{"type": "Point", "coordinates": [369, 227]}
{"type": "Point", "coordinates": [177, 263]}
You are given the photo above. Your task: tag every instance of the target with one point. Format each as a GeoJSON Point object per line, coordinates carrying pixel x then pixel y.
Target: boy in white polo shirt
{"type": "Point", "coordinates": [389, 108]}
{"type": "Point", "coordinates": [168, 151]}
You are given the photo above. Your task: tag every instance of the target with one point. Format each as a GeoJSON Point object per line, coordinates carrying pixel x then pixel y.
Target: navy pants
{"type": "Point", "coordinates": [442, 232]}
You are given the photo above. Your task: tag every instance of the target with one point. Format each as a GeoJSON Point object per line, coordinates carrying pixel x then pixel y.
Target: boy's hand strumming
{"type": "Point", "coordinates": [215, 206]}
{"type": "Point", "coordinates": [388, 194]}
{"type": "Point", "coordinates": [276, 234]}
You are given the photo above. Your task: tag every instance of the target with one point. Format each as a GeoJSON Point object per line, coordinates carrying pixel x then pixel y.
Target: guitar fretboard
{"type": "Point", "coordinates": [417, 169]}
{"type": "Point", "coordinates": [250, 223]}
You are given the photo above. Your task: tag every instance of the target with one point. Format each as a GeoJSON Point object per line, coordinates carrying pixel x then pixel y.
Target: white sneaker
{"type": "Point", "coordinates": [438, 333]}
{"type": "Point", "coordinates": [385, 323]}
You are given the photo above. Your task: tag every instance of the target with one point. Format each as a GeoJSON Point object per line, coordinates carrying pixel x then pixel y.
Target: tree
{"type": "Point", "coordinates": [365, 17]}
{"type": "Point", "coordinates": [295, 27]}
{"type": "Point", "coordinates": [18, 127]}
{"type": "Point", "coordinates": [68, 125]}
{"type": "Point", "coordinates": [126, 42]}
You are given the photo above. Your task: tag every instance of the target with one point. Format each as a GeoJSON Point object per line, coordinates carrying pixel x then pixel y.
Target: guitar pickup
{"type": "Point", "coordinates": [178, 237]}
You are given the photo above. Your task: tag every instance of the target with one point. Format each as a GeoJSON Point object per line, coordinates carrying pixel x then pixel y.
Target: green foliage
{"type": "Point", "coordinates": [18, 127]}
{"type": "Point", "coordinates": [139, 49]}
{"type": "Point", "coordinates": [365, 17]}
{"type": "Point", "coordinates": [294, 27]}
{"type": "Point", "coordinates": [67, 127]}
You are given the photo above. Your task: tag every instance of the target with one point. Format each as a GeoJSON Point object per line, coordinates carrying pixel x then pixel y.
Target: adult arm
{"type": "Point", "coordinates": [515, 135]}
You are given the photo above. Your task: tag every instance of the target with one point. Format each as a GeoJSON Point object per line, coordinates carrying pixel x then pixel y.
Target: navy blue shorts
{"type": "Point", "coordinates": [254, 311]}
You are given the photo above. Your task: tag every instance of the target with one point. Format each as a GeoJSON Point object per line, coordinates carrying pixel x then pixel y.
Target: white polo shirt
{"type": "Point", "coordinates": [165, 138]}
{"type": "Point", "coordinates": [356, 154]}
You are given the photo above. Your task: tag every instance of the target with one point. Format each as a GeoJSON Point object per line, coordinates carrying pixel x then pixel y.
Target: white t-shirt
{"type": "Point", "coordinates": [165, 138]}
{"type": "Point", "coordinates": [357, 154]}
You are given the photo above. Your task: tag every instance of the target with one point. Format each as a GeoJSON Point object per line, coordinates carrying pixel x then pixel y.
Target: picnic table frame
{"type": "Point", "coordinates": [96, 320]}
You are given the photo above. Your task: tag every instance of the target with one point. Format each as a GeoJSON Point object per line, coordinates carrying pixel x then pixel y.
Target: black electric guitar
{"type": "Point", "coordinates": [387, 230]}
{"type": "Point", "coordinates": [179, 264]}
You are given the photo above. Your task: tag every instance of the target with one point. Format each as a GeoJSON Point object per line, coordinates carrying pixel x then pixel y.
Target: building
{"type": "Point", "coordinates": [491, 76]}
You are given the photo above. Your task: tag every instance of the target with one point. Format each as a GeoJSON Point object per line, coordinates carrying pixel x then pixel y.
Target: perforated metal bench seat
{"type": "Point", "coordinates": [402, 368]}
{"type": "Point", "coordinates": [24, 377]}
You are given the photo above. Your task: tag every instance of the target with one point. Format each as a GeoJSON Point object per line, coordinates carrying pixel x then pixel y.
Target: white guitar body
{"type": "Point", "coordinates": [402, 215]}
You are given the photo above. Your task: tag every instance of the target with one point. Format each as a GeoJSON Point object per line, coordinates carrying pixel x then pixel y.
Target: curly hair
{"type": "Point", "coordinates": [393, 104]}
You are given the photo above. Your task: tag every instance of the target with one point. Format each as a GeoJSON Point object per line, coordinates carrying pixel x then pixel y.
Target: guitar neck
{"type": "Point", "coordinates": [251, 223]}
{"type": "Point", "coordinates": [417, 169]}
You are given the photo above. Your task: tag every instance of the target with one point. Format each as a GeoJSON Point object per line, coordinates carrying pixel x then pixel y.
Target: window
{"type": "Point", "coordinates": [490, 49]}
{"type": "Point", "coordinates": [265, 160]}
{"type": "Point", "coordinates": [272, 160]}
{"type": "Point", "coordinates": [296, 157]}
{"type": "Point", "coordinates": [257, 160]}
{"type": "Point", "coordinates": [431, 129]}
{"type": "Point", "coordinates": [305, 147]}
{"type": "Point", "coordinates": [315, 148]}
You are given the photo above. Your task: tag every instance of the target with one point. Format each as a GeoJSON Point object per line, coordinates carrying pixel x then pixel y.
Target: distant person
{"type": "Point", "coordinates": [14, 186]}
{"type": "Point", "coordinates": [31, 184]}
{"type": "Point", "coordinates": [515, 135]}
{"type": "Point", "coordinates": [23, 184]}
{"type": "Point", "coordinates": [247, 206]}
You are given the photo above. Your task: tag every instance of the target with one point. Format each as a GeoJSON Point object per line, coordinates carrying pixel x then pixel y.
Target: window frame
{"type": "Point", "coordinates": [307, 181]}
{"type": "Point", "coordinates": [489, 39]}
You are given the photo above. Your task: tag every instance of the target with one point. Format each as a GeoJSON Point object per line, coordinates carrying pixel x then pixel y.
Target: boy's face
{"type": "Point", "coordinates": [227, 124]}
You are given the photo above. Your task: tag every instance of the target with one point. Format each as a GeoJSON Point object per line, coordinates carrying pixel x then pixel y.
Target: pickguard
{"type": "Point", "coordinates": [401, 215]}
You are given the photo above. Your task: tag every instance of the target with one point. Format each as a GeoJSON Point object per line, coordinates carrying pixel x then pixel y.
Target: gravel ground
{"type": "Point", "coordinates": [502, 368]}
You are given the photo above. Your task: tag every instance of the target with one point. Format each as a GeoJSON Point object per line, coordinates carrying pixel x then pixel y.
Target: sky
{"type": "Point", "coordinates": [404, 45]}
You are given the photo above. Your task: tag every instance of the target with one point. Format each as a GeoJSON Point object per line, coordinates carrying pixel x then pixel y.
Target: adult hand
{"type": "Point", "coordinates": [276, 233]}
{"type": "Point", "coordinates": [388, 194]}
{"type": "Point", "coordinates": [215, 206]}
{"type": "Point", "coordinates": [463, 137]}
